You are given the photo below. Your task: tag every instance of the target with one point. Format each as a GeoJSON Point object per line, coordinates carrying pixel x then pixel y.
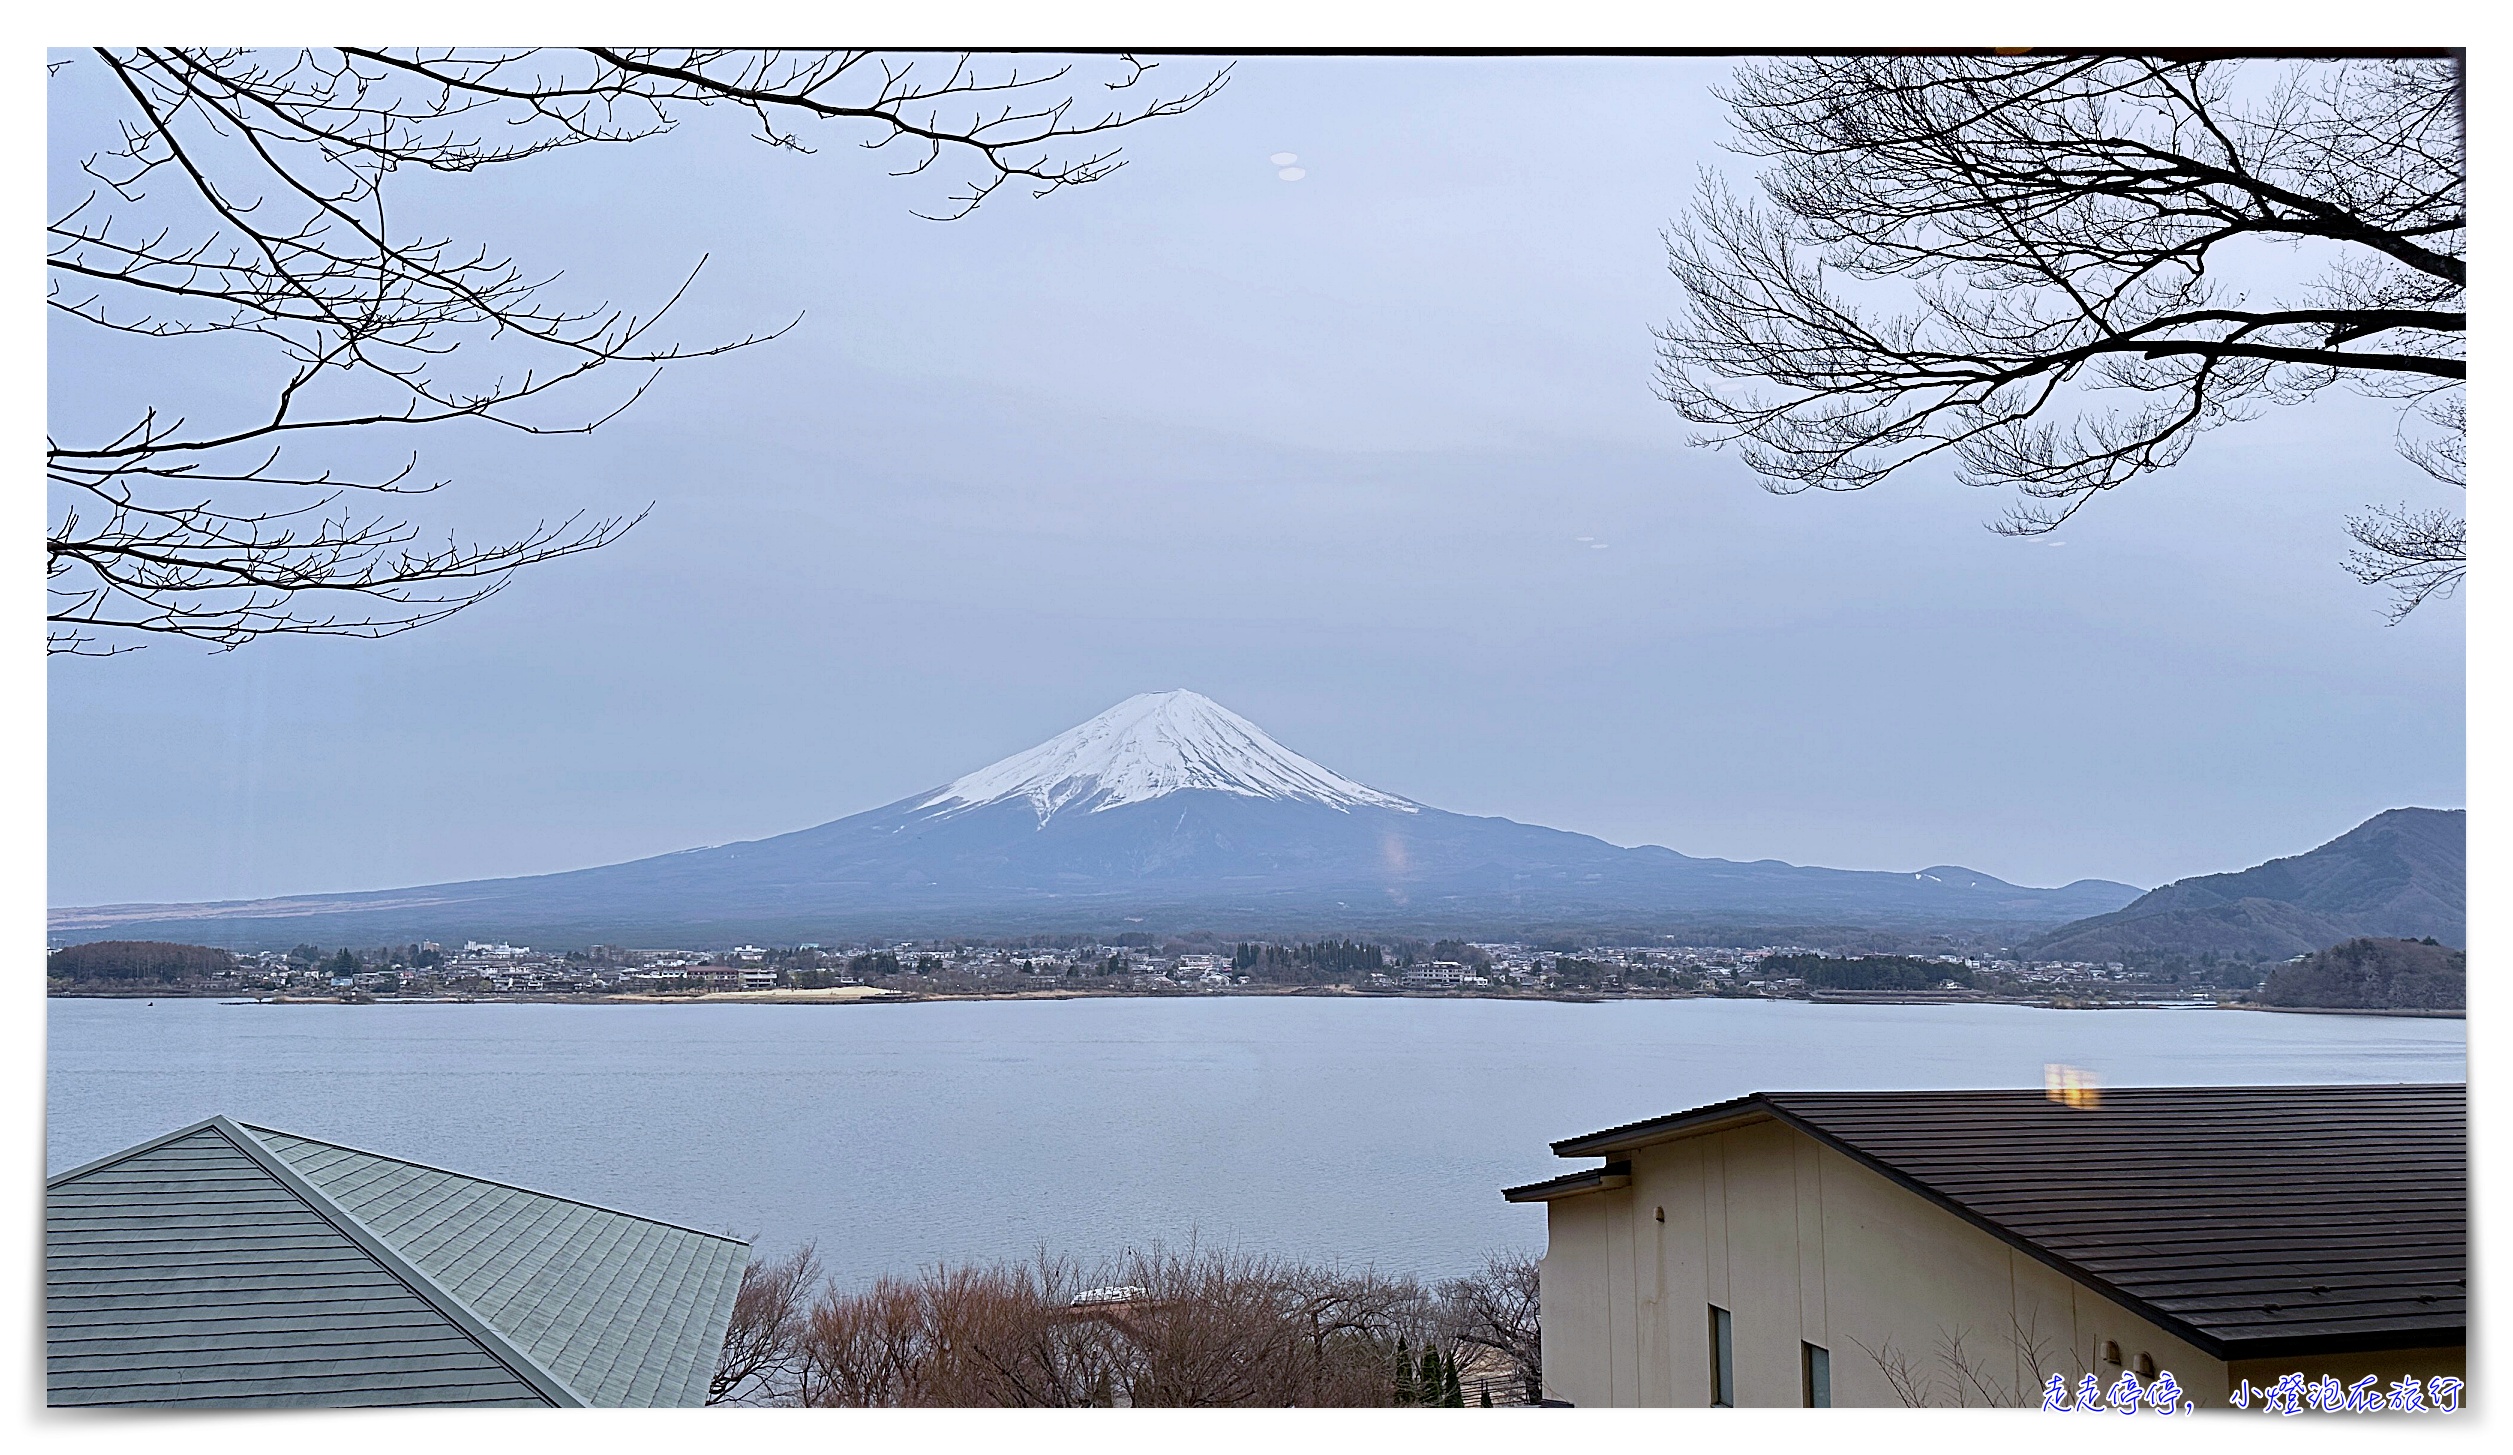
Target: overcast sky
{"type": "Point", "coordinates": [1369, 456]}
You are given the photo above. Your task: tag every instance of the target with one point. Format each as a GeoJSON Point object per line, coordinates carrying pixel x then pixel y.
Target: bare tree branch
{"type": "Point", "coordinates": [1159, 1327]}
{"type": "Point", "coordinates": [762, 1357]}
{"type": "Point", "coordinates": [241, 204]}
{"type": "Point", "coordinates": [1962, 1379]}
{"type": "Point", "coordinates": [2417, 553]}
{"type": "Point", "coordinates": [2023, 266]}
{"type": "Point", "coordinates": [1499, 1307]}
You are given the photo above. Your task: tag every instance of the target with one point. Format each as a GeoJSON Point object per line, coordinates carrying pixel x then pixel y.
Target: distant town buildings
{"type": "Point", "coordinates": [1140, 964]}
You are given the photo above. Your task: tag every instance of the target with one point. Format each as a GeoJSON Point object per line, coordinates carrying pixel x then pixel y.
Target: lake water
{"type": "Point", "coordinates": [1371, 1131]}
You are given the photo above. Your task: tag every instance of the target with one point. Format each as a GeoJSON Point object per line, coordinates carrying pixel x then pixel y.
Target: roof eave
{"type": "Point", "coordinates": [493, 1182]}
{"type": "Point", "coordinates": [1572, 1184]}
{"type": "Point", "coordinates": [2444, 1336]}
{"type": "Point", "coordinates": [1758, 1107]}
{"type": "Point", "coordinates": [1700, 1121]}
{"type": "Point", "coordinates": [151, 1145]}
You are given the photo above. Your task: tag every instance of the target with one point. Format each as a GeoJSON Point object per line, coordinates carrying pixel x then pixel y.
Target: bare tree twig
{"type": "Point", "coordinates": [1499, 1307]}
{"type": "Point", "coordinates": [240, 204]}
{"type": "Point", "coordinates": [761, 1360]}
{"type": "Point", "coordinates": [1189, 1327]}
{"type": "Point", "coordinates": [2023, 267]}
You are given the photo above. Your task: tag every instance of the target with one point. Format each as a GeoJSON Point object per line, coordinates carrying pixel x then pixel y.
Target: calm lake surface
{"type": "Point", "coordinates": [1371, 1131]}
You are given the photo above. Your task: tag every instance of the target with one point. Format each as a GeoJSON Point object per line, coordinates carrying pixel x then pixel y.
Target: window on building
{"type": "Point", "coordinates": [1722, 1358]}
{"type": "Point", "coordinates": [1815, 1364]}
{"type": "Point", "coordinates": [2146, 1365]}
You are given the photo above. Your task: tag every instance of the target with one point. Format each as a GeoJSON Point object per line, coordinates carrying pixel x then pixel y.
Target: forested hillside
{"type": "Point", "coordinates": [2370, 974]}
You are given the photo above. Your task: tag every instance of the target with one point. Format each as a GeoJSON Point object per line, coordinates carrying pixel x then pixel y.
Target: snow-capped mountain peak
{"type": "Point", "coordinates": [1152, 744]}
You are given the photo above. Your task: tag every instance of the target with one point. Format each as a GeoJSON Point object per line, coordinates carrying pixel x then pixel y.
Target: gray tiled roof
{"type": "Point", "coordinates": [226, 1265]}
{"type": "Point", "coordinates": [2253, 1220]}
{"type": "Point", "coordinates": [626, 1310]}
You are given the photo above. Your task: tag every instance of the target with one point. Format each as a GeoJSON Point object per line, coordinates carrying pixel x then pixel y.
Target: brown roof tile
{"type": "Point", "coordinates": [2255, 1221]}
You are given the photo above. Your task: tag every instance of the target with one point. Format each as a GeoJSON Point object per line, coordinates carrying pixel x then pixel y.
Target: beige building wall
{"type": "Point", "coordinates": [1804, 1246]}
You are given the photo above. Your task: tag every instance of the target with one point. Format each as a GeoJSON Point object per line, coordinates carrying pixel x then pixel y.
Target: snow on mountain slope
{"type": "Point", "coordinates": [1183, 816]}
{"type": "Point", "coordinates": [1152, 744]}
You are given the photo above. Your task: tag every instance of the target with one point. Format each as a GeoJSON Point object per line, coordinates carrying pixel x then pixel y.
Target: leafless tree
{"type": "Point", "coordinates": [760, 1362]}
{"type": "Point", "coordinates": [996, 1336]}
{"type": "Point", "coordinates": [2053, 272]}
{"type": "Point", "coordinates": [1909, 1381]}
{"type": "Point", "coordinates": [1499, 1307]}
{"type": "Point", "coordinates": [2418, 553]}
{"type": "Point", "coordinates": [1181, 1328]}
{"type": "Point", "coordinates": [251, 214]}
{"type": "Point", "coordinates": [1959, 1380]}
{"type": "Point", "coordinates": [1959, 1373]}
{"type": "Point", "coordinates": [862, 1349]}
{"type": "Point", "coordinates": [1238, 1330]}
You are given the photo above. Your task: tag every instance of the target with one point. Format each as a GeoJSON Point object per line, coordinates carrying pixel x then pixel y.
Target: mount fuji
{"type": "Point", "coordinates": [1166, 813]}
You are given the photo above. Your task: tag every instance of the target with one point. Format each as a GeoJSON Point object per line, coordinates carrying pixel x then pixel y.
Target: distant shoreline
{"type": "Point", "coordinates": [2431, 1015]}
{"type": "Point", "coordinates": [867, 995]}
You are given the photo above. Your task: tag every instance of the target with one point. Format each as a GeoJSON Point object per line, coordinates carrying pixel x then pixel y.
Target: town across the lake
{"type": "Point", "coordinates": [1142, 964]}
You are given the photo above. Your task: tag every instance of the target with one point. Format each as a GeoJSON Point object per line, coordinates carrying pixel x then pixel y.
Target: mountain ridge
{"type": "Point", "coordinates": [2401, 874]}
{"type": "Point", "coordinates": [1165, 808]}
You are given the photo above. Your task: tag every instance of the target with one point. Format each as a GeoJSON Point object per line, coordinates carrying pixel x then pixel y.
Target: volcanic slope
{"type": "Point", "coordinates": [1167, 812]}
